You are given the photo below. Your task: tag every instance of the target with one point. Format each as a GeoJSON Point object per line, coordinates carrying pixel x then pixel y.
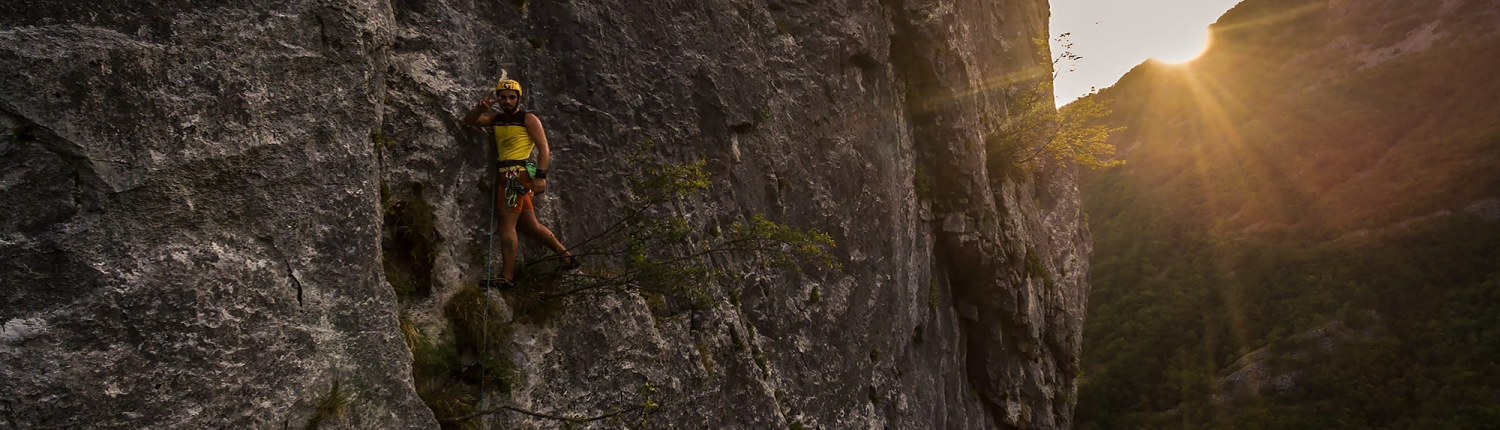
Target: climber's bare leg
{"type": "Point", "coordinates": [508, 241]}
{"type": "Point", "coordinates": [532, 226]}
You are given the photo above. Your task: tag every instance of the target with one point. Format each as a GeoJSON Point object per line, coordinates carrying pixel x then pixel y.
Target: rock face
{"type": "Point", "coordinates": [200, 198]}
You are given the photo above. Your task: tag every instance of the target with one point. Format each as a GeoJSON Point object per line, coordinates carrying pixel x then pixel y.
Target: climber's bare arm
{"type": "Point", "coordinates": [481, 115]}
{"type": "Point", "coordinates": [543, 154]}
{"type": "Point", "coordinates": [538, 135]}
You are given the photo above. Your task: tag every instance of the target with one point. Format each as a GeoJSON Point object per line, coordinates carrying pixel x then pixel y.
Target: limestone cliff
{"type": "Point", "coordinates": [205, 203]}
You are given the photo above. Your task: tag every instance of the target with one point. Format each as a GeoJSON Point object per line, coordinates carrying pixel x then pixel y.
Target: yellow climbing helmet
{"type": "Point", "coordinates": [509, 84]}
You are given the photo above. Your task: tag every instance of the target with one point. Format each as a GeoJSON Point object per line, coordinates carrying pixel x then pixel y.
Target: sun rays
{"type": "Point", "coordinates": [1188, 52]}
{"type": "Point", "coordinates": [1222, 158]}
{"type": "Point", "coordinates": [1228, 24]}
{"type": "Point", "coordinates": [988, 87]}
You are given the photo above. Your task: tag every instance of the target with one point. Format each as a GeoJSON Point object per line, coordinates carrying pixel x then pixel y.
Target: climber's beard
{"type": "Point", "coordinates": [510, 107]}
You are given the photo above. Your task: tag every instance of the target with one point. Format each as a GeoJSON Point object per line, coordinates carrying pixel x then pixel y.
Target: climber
{"type": "Point", "coordinates": [517, 131]}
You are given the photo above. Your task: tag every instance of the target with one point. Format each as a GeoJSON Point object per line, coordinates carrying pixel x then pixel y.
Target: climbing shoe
{"type": "Point", "coordinates": [569, 264]}
{"type": "Point", "coordinates": [498, 283]}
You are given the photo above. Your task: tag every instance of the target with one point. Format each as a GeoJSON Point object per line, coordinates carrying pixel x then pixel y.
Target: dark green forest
{"type": "Point", "coordinates": [1304, 235]}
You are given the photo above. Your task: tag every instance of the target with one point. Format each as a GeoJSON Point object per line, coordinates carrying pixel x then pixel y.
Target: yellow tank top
{"type": "Point", "coordinates": [512, 141]}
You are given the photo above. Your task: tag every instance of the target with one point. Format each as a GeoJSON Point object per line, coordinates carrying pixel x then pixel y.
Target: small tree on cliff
{"type": "Point", "coordinates": [1036, 130]}
{"type": "Point", "coordinates": [653, 250]}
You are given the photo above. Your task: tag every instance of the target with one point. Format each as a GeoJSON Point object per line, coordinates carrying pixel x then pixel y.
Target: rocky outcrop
{"type": "Point", "coordinates": [1265, 370]}
{"type": "Point", "coordinates": [203, 201]}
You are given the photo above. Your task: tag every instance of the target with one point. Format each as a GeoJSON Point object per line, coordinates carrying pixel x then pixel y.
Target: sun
{"type": "Point", "coordinates": [1185, 50]}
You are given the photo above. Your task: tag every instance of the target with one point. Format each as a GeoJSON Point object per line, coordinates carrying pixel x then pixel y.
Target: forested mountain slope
{"type": "Point", "coordinates": [1304, 234]}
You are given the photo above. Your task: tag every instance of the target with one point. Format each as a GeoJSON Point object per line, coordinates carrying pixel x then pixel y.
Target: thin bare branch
{"type": "Point", "coordinates": [543, 415]}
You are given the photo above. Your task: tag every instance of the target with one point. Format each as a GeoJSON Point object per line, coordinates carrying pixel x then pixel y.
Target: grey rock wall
{"type": "Point", "coordinates": [195, 194]}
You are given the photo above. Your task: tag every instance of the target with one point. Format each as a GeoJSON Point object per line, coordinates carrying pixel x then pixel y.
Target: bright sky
{"type": "Point", "coordinates": [1113, 36]}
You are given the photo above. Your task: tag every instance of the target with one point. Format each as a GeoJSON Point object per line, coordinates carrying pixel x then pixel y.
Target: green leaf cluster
{"type": "Point", "coordinates": [1035, 131]}
{"type": "Point", "coordinates": [653, 249]}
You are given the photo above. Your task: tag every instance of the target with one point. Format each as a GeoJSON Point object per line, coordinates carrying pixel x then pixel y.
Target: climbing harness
{"type": "Point", "coordinates": [515, 188]}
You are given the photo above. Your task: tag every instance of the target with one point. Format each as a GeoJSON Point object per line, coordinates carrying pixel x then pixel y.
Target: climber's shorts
{"type": "Point", "coordinates": [515, 189]}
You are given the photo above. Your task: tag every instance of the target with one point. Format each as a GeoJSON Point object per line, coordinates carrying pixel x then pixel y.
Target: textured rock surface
{"type": "Point", "coordinates": [195, 239]}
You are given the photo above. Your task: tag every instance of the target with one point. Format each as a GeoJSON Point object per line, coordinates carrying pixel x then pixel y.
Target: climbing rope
{"type": "Point", "coordinates": [489, 264]}
{"type": "Point", "coordinates": [489, 276]}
